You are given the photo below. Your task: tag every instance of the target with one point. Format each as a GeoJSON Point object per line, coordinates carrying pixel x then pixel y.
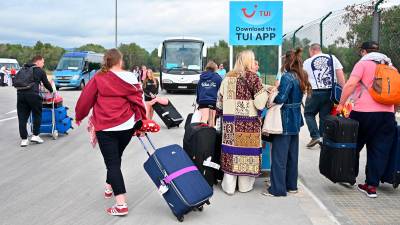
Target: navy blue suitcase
{"type": "Point", "coordinates": [177, 179]}
{"type": "Point", "coordinates": [392, 171]}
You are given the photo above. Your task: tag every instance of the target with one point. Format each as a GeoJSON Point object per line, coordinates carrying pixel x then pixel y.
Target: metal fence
{"type": "Point", "coordinates": [341, 32]}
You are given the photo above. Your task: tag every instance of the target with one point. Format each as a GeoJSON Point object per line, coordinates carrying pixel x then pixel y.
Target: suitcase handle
{"type": "Point", "coordinates": [144, 145]}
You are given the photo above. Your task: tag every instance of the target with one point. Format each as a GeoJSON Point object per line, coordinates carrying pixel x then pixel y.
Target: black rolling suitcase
{"type": "Point", "coordinates": [338, 156]}
{"type": "Point", "coordinates": [199, 144]}
{"type": "Point", "coordinates": [168, 114]}
{"type": "Point", "coordinates": [217, 154]}
{"type": "Point", "coordinates": [392, 172]}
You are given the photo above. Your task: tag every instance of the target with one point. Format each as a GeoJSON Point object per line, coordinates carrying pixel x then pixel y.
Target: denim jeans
{"type": "Point", "coordinates": [284, 167]}
{"type": "Point", "coordinates": [318, 103]}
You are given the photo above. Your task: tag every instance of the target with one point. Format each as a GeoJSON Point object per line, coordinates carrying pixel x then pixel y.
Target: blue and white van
{"type": "Point", "coordinates": [75, 69]}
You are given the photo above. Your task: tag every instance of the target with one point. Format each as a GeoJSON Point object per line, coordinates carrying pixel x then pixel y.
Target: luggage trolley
{"type": "Point", "coordinates": [53, 131]}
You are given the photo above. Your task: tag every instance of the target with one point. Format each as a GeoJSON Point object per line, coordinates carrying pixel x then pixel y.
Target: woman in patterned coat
{"type": "Point", "coordinates": [240, 99]}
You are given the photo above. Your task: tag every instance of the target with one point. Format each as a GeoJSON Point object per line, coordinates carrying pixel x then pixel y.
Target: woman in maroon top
{"type": "Point", "coordinates": [116, 98]}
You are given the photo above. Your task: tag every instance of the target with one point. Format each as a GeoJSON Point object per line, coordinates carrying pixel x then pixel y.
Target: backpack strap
{"type": "Point", "coordinates": [333, 73]}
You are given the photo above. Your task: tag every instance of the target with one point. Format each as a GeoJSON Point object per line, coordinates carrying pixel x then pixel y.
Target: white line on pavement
{"type": "Point", "coordinates": [13, 111]}
{"type": "Point", "coordinates": [11, 118]}
{"type": "Point", "coordinates": [320, 204]}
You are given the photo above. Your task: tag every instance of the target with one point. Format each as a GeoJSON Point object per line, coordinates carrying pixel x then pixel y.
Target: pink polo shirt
{"type": "Point", "coordinates": [365, 70]}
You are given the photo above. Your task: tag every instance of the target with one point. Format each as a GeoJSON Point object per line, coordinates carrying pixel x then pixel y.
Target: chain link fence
{"type": "Point", "coordinates": [341, 32]}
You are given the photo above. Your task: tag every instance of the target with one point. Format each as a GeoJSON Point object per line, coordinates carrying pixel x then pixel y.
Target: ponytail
{"type": "Point", "coordinates": [111, 58]}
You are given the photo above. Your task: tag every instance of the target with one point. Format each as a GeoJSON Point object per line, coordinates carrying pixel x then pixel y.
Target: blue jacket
{"type": "Point", "coordinates": [290, 95]}
{"type": "Point", "coordinates": [207, 88]}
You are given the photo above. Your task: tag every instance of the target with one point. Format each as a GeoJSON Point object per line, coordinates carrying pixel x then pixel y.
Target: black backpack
{"type": "Point", "coordinates": [24, 79]}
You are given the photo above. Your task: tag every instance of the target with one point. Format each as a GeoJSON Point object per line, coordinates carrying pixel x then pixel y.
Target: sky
{"type": "Point", "coordinates": [72, 23]}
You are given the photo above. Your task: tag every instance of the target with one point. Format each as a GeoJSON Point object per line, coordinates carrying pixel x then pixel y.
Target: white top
{"type": "Point", "coordinates": [319, 71]}
{"type": "Point", "coordinates": [131, 79]}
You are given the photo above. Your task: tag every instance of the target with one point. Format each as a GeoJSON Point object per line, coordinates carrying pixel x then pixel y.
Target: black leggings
{"type": "Point", "coordinates": [112, 145]}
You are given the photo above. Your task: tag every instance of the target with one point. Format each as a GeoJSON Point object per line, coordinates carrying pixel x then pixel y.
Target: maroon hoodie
{"type": "Point", "coordinates": [113, 100]}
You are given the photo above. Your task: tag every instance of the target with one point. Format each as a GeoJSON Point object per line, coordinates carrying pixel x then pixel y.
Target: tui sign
{"type": "Point", "coordinates": [255, 22]}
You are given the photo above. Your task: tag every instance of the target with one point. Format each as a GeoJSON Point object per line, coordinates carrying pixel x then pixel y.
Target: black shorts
{"type": "Point", "coordinates": [210, 106]}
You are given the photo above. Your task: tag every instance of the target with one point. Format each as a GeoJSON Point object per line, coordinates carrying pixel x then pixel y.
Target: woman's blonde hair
{"type": "Point", "coordinates": [149, 72]}
{"type": "Point", "coordinates": [111, 58]}
{"type": "Point", "coordinates": [245, 61]}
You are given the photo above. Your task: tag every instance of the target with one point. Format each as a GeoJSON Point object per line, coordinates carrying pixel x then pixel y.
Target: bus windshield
{"type": "Point", "coordinates": [70, 63]}
{"type": "Point", "coordinates": [182, 55]}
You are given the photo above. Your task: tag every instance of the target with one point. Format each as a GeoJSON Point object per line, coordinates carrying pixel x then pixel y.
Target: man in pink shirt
{"type": "Point", "coordinates": [376, 121]}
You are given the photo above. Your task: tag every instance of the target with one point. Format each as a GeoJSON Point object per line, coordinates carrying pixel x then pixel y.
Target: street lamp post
{"type": "Point", "coordinates": [116, 23]}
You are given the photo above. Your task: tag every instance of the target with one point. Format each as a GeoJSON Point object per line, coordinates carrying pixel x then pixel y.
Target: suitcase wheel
{"type": "Point", "coordinates": [180, 218]}
{"type": "Point", "coordinates": [208, 202]}
{"type": "Point", "coordinates": [200, 208]}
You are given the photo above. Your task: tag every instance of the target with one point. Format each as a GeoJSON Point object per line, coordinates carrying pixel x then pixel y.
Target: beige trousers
{"type": "Point", "coordinates": [245, 183]}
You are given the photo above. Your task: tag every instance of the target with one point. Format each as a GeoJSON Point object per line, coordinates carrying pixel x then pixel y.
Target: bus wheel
{"type": "Point", "coordinates": [82, 85]}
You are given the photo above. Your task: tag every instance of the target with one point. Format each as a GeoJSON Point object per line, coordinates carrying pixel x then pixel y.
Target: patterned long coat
{"type": "Point", "coordinates": [240, 99]}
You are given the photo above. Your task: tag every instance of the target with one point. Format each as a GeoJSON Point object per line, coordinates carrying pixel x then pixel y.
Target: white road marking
{"type": "Point", "coordinates": [13, 111]}
{"type": "Point", "coordinates": [320, 204]}
{"type": "Point", "coordinates": [11, 118]}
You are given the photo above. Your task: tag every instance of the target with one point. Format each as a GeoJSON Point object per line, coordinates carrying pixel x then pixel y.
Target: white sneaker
{"type": "Point", "coordinates": [37, 139]}
{"type": "Point", "coordinates": [24, 142]}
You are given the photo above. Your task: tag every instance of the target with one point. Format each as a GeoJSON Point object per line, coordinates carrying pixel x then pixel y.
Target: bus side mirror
{"type": "Point", "coordinates": [159, 50]}
{"type": "Point", "coordinates": [204, 51]}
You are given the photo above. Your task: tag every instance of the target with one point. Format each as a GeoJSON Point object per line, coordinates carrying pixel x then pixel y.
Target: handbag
{"type": "Point", "coordinates": [336, 91]}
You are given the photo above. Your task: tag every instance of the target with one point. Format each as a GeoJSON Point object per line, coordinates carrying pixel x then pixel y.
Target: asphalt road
{"type": "Point", "coordinates": [61, 182]}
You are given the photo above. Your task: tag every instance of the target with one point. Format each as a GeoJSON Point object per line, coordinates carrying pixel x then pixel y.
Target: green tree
{"type": "Point", "coordinates": [154, 60]}
{"type": "Point", "coordinates": [134, 55]}
{"type": "Point", "coordinates": [219, 53]}
{"type": "Point", "coordinates": [92, 47]}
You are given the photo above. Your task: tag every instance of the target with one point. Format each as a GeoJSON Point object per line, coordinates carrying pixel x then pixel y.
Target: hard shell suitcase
{"type": "Point", "coordinates": [47, 115]}
{"type": "Point", "coordinates": [60, 113]}
{"type": "Point", "coordinates": [177, 179]}
{"type": "Point", "coordinates": [392, 172]}
{"type": "Point", "coordinates": [199, 144]}
{"type": "Point", "coordinates": [188, 120]}
{"type": "Point", "coordinates": [217, 154]}
{"type": "Point", "coordinates": [338, 157]}
{"type": "Point", "coordinates": [46, 128]}
{"type": "Point", "coordinates": [168, 114]}
{"type": "Point", "coordinates": [64, 125]}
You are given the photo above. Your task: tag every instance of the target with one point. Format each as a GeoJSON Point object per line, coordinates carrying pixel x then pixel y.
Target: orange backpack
{"type": "Point", "coordinates": [386, 86]}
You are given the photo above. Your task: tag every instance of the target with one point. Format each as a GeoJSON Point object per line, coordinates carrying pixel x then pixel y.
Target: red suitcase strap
{"type": "Point", "coordinates": [178, 173]}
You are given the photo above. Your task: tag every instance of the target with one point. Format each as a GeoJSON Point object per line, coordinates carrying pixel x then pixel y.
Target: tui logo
{"type": "Point", "coordinates": [244, 10]}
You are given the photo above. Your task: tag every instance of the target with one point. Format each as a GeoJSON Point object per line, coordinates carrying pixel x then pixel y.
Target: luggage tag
{"type": "Point", "coordinates": [163, 189]}
{"type": "Point", "coordinates": [208, 163]}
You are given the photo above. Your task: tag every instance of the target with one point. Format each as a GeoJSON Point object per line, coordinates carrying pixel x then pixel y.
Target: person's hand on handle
{"type": "Point", "coordinates": [339, 109]}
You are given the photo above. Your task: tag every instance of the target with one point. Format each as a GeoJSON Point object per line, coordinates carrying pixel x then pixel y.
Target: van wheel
{"type": "Point", "coordinates": [82, 85]}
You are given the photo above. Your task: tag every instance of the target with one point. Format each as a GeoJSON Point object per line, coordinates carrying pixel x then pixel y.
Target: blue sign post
{"type": "Point", "coordinates": [255, 22]}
